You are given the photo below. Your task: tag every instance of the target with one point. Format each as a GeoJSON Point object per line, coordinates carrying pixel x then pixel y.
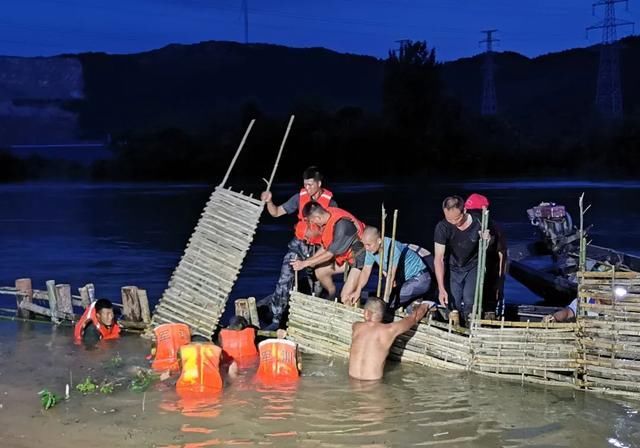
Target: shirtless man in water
{"type": "Point", "coordinates": [372, 339]}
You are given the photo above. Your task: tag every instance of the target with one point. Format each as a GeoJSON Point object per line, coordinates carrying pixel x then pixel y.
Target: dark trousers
{"type": "Point", "coordinates": [462, 288]}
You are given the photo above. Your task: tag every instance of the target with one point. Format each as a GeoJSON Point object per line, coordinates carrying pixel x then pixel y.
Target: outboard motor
{"type": "Point", "coordinates": [554, 224]}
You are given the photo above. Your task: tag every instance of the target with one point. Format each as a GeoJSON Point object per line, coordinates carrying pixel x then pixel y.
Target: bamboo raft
{"type": "Point", "coordinates": [202, 281]}
{"type": "Point", "coordinates": [597, 352]}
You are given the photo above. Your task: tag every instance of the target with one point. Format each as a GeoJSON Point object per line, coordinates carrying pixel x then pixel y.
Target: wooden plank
{"type": "Point", "coordinates": [23, 285]}
{"type": "Point", "coordinates": [53, 301]}
{"type": "Point", "coordinates": [63, 294]}
{"type": "Point", "coordinates": [145, 313]}
{"type": "Point", "coordinates": [130, 303]}
{"type": "Point", "coordinates": [253, 312]}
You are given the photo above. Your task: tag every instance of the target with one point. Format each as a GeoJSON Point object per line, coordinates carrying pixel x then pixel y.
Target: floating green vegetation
{"type": "Point", "coordinates": [87, 386]}
{"type": "Point", "coordinates": [48, 398]}
{"type": "Point", "coordinates": [142, 380]}
{"type": "Point", "coordinates": [115, 362]}
{"type": "Point", "coordinates": [106, 388]}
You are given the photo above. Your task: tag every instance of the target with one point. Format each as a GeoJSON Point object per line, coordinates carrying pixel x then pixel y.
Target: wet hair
{"type": "Point", "coordinates": [199, 338]}
{"type": "Point", "coordinates": [312, 208]}
{"type": "Point", "coordinates": [102, 304]}
{"type": "Point", "coordinates": [238, 323]}
{"type": "Point", "coordinates": [452, 202]}
{"type": "Point", "coordinates": [312, 172]}
{"type": "Point", "coordinates": [375, 306]}
{"type": "Point", "coordinates": [371, 230]}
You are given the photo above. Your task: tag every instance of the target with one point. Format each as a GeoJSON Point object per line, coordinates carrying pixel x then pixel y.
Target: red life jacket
{"type": "Point", "coordinates": [90, 316]}
{"type": "Point", "coordinates": [278, 361]}
{"type": "Point", "coordinates": [327, 232]}
{"type": "Point", "coordinates": [169, 339]}
{"type": "Point", "coordinates": [302, 225]}
{"type": "Point", "coordinates": [239, 346]}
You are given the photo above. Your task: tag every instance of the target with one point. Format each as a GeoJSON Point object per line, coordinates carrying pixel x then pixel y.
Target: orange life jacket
{"type": "Point", "coordinates": [327, 232]}
{"type": "Point", "coordinates": [239, 346]}
{"type": "Point", "coordinates": [302, 225]}
{"type": "Point", "coordinates": [200, 368]}
{"type": "Point", "coordinates": [90, 316]}
{"type": "Point", "coordinates": [278, 361]}
{"type": "Point", "coordinates": [169, 339]}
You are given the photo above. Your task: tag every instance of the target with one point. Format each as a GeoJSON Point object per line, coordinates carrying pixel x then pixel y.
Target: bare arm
{"type": "Point", "coordinates": [562, 315]}
{"type": "Point", "coordinates": [438, 263]}
{"type": "Point", "coordinates": [320, 257]}
{"type": "Point", "coordinates": [364, 278]}
{"type": "Point", "coordinates": [404, 325]}
{"type": "Point", "coordinates": [273, 209]}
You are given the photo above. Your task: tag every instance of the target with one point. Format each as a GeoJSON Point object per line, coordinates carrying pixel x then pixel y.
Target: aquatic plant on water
{"type": "Point", "coordinates": [143, 380]}
{"type": "Point", "coordinates": [115, 362]}
{"type": "Point", "coordinates": [48, 399]}
{"type": "Point", "coordinates": [87, 386]}
{"type": "Point", "coordinates": [106, 388]}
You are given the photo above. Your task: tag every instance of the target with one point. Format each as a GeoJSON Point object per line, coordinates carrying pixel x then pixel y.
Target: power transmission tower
{"type": "Point", "coordinates": [489, 103]}
{"type": "Point", "coordinates": [245, 13]}
{"type": "Point", "coordinates": [609, 90]}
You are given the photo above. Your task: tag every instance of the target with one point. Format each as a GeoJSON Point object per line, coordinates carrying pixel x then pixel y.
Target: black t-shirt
{"type": "Point", "coordinates": [344, 234]}
{"type": "Point", "coordinates": [461, 245]}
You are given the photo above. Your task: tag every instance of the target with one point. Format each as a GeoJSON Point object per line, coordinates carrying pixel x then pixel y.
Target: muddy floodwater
{"type": "Point", "coordinates": [124, 234]}
{"type": "Point", "coordinates": [414, 406]}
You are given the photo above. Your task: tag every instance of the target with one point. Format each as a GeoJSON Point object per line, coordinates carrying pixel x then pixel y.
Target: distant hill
{"type": "Point", "coordinates": [204, 85]}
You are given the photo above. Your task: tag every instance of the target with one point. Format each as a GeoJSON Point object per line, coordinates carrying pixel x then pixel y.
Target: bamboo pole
{"type": "Point", "coordinates": [284, 140]}
{"type": "Point", "coordinates": [383, 220]}
{"type": "Point", "coordinates": [388, 285]}
{"type": "Point", "coordinates": [235, 156]}
{"type": "Point", "coordinates": [482, 250]}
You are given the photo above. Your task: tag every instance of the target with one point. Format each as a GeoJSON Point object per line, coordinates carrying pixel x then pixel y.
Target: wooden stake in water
{"type": "Point", "coordinates": [389, 285]}
{"type": "Point", "coordinates": [382, 225]}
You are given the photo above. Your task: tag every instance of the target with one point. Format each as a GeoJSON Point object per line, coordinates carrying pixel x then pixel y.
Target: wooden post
{"type": "Point", "coordinates": [284, 140]}
{"type": "Point", "coordinates": [53, 301]}
{"type": "Point", "coordinates": [130, 303]}
{"type": "Point", "coordinates": [87, 294]}
{"type": "Point", "coordinates": [24, 286]}
{"type": "Point", "coordinates": [84, 297]}
{"type": "Point", "coordinates": [144, 306]}
{"type": "Point", "coordinates": [253, 311]}
{"type": "Point", "coordinates": [63, 293]}
{"type": "Point", "coordinates": [242, 309]}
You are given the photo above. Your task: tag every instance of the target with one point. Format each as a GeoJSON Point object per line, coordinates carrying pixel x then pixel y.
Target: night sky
{"type": "Point", "coordinates": [531, 27]}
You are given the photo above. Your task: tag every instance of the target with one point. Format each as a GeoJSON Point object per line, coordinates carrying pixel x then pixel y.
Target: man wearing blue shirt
{"type": "Point", "coordinates": [410, 274]}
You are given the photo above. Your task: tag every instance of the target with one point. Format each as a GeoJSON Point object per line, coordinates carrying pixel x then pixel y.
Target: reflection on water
{"type": "Point", "coordinates": [412, 406]}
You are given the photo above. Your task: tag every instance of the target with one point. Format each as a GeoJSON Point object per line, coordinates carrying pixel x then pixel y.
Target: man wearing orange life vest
{"type": "Point", "coordinates": [306, 236]}
{"type": "Point", "coordinates": [238, 343]}
{"type": "Point", "coordinates": [341, 246]}
{"type": "Point", "coordinates": [280, 361]}
{"type": "Point", "coordinates": [96, 323]}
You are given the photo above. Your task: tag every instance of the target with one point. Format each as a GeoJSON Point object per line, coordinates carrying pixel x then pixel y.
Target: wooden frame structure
{"type": "Point", "coordinates": [202, 281]}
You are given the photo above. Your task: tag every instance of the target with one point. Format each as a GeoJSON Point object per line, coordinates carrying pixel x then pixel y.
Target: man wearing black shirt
{"type": "Point", "coordinates": [456, 237]}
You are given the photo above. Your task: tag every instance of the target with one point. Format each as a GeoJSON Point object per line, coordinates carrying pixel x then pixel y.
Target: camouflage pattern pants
{"type": "Point", "coordinates": [298, 250]}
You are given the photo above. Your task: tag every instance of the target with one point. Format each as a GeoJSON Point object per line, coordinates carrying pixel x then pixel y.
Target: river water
{"type": "Point", "coordinates": [120, 234]}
